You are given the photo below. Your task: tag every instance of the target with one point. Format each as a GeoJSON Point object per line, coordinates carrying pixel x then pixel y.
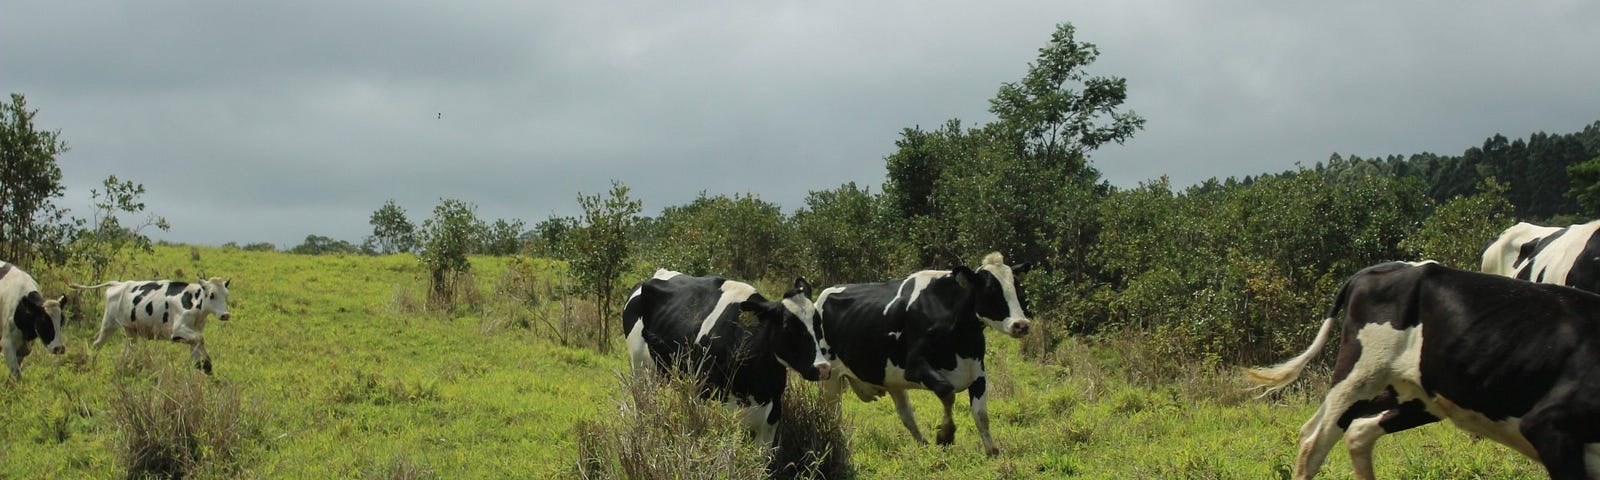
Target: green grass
{"type": "Point", "coordinates": [336, 376]}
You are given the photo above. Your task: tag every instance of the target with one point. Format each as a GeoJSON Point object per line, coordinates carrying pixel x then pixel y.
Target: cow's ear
{"type": "Point", "coordinates": [964, 276]}
{"type": "Point", "coordinates": [226, 282]}
{"type": "Point", "coordinates": [802, 286]}
{"type": "Point", "coordinates": [757, 305]}
{"type": "Point", "coordinates": [1022, 267]}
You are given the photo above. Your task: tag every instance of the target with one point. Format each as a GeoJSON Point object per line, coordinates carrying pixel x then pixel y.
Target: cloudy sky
{"type": "Point", "coordinates": [268, 121]}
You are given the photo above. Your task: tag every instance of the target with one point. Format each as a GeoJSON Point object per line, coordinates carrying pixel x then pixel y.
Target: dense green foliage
{"type": "Point", "coordinates": [30, 181]}
{"type": "Point", "coordinates": [600, 251]}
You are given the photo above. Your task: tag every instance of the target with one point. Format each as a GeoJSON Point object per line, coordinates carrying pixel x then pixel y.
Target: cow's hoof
{"type": "Point", "coordinates": [994, 451]}
{"type": "Point", "coordinates": [947, 434]}
{"type": "Point", "coordinates": [204, 366]}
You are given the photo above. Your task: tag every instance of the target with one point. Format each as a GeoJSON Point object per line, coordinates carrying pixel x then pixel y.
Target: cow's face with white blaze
{"type": "Point", "coordinates": [791, 326]}
{"type": "Point", "coordinates": [214, 297]}
{"type": "Point", "coordinates": [997, 299]}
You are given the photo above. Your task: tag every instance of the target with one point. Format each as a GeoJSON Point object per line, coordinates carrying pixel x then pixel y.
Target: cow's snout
{"type": "Point", "coordinates": [1019, 328]}
{"type": "Point", "coordinates": [224, 317]}
{"type": "Point", "coordinates": [823, 370]}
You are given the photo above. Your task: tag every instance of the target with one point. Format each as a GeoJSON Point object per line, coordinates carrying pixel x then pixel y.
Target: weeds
{"type": "Point", "coordinates": [180, 426]}
{"type": "Point", "coordinates": [665, 430]}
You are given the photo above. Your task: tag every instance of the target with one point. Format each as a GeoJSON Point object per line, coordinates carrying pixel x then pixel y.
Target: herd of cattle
{"type": "Point", "coordinates": [1508, 354]}
{"type": "Point", "coordinates": [148, 309]}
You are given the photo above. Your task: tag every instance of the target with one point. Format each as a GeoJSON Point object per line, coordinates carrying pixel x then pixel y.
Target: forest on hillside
{"type": "Point", "coordinates": [1229, 270]}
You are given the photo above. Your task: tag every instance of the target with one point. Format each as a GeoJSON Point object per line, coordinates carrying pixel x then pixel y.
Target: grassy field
{"type": "Point", "coordinates": [332, 368]}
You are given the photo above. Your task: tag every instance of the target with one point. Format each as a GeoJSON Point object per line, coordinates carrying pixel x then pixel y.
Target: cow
{"type": "Point", "coordinates": [1504, 359]}
{"type": "Point", "coordinates": [25, 315]}
{"type": "Point", "coordinates": [164, 309]}
{"type": "Point", "coordinates": [1554, 255]}
{"type": "Point", "coordinates": [694, 323]}
{"type": "Point", "coordinates": [1563, 256]}
{"type": "Point", "coordinates": [924, 331]}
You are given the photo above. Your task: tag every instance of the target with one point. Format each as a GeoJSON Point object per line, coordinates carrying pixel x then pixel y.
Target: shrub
{"type": "Point", "coordinates": [180, 426]}
{"type": "Point", "coordinates": [812, 441]}
{"type": "Point", "coordinates": [664, 430]}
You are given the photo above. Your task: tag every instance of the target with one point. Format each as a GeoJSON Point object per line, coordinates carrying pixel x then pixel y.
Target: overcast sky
{"type": "Point", "coordinates": [269, 121]}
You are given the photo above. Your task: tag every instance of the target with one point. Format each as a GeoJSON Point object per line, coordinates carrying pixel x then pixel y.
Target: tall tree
{"type": "Point", "coordinates": [30, 223]}
{"type": "Point", "coordinates": [600, 249]}
{"type": "Point", "coordinates": [446, 239]}
{"type": "Point", "coordinates": [391, 231]}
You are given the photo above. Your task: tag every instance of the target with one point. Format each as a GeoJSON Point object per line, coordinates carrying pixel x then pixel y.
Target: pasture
{"type": "Point", "coordinates": [332, 368]}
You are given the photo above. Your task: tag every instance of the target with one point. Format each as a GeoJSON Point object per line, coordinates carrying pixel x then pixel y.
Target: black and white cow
{"type": "Point", "coordinates": [164, 309]}
{"type": "Point", "coordinates": [26, 315]}
{"type": "Point", "coordinates": [673, 318]}
{"type": "Point", "coordinates": [1563, 256]}
{"type": "Point", "coordinates": [1508, 360]}
{"type": "Point", "coordinates": [924, 331]}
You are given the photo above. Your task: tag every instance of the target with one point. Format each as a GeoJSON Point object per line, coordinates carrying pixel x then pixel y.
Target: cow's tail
{"type": "Point", "coordinates": [1281, 375]}
{"type": "Point", "coordinates": [92, 287]}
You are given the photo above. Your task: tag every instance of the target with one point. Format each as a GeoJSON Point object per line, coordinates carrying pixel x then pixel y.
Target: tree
{"type": "Point", "coordinates": [320, 245]}
{"type": "Point", "coordinates": [600, 249]}
{"type": "Point", "coordinates": [501, 238]}
{"type": "Point", "coordinates": [740, 236]}
{"type": "Point", "coordinates": [391, 231]}
{"type": "Point", "coordinates": [105, 237]}
{"type": "Point", "coordinates": [31, 225]}
{"type": "Point", "coordinates": [842, 233]}
{"type": "Point", "coordinates": [548, 237]}
{"type": "Point", "coordinates": [1586, 186]}
{"type": "Point", "coordinates": [446, 239]}
{"type": "Point", "coordinates": [1455, 234]}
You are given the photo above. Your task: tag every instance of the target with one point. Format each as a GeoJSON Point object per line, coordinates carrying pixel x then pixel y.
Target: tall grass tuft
{"type": "Point", "coordinates": [664, 430]}
{"type": "Point", "coordinates": [181, 425]}
{"type": "Point", "coordinates": [812, 440]}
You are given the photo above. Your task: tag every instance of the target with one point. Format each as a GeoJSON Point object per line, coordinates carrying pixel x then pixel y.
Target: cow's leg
{"type": "Point", "coordinates": [107, 325]}
{"type": "Point", "coordinates": [13, 361]}
{"type": "Point", "coordinates": [197, 353]}
{"type": "Point", "coordinates": [1364, 431]}
{"type": "Point", "coordinates": [761, 420]}
{"type": "Point", "coordinates": [978, 392]}
{"type": "Point", "coordinates": [947, 428]}
{"type": "Point", "coordinates": [1324, 429]}
{"type": "Point", "coordinates": [902, 405]}
{"type": "Point", "coordinates": [1549, 429]}
{"type": "Point", "coordinates": [638, 351]}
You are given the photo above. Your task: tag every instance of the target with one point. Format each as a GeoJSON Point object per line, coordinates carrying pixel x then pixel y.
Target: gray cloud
{"type": "Point", "coordinates": [268, 122]}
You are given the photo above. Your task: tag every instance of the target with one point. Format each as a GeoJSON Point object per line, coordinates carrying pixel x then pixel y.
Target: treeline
{"type": "Point", "coordinates": [1535, 170]}
{"type": "Point", "coordinates": [1229, 271]}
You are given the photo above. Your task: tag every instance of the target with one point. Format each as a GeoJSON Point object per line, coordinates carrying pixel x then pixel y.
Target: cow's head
{"type": "Point", "coordinates": [791, 329]}
{"type": "Point", "coordinates": [214, 297]}
{"type": "Point", "coordinates": [997, 297]}
{"type": "Point", "coordinates": [42, 319]}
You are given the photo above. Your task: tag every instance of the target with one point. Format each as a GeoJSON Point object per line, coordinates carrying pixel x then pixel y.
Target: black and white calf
{"type": "Point", "coordinates": [164, 309]}
{"type": "Point", "coordinates": [678, 318]}
{"type": "Point", "coordinates": [26, 315]}
{"type": "Point", "coordinates": [924, 331]}
{"type": "Point", "coordinates": [1505, 359]}
{"type": "Point", "coordinates": [1563, 256]}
